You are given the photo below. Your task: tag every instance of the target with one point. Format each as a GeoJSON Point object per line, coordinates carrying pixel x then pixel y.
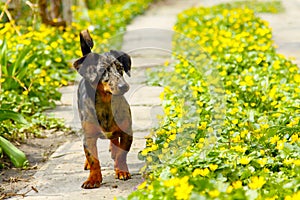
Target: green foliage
{"type": "Point", "coordinates": [232, 113]}
{"type": "Point", "coordinates": [7, 114]}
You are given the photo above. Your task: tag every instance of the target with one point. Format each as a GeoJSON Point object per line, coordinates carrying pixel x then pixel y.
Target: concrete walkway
{"type": "Point", "coordinates": [149, 46]}
{"type": "Point", "coordinates": [148, 41]}
{"type": "Point", "coordinates": [286, 29]}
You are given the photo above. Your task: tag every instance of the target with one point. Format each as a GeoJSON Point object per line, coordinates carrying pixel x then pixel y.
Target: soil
{"type": "Point", "coordinates": [38, 151]}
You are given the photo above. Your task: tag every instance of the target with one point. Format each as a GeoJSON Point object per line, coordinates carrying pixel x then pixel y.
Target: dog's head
{"type": "Point", "coordinates": [103, 71]}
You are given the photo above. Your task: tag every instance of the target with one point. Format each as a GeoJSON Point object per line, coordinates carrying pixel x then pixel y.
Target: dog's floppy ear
{"type": "Point", "coordinates": [88, 67]}
{"type": "Point", "coordinates": [78, 63]}
{"type": "Point", "coordinates": [86, 42]}
{"type": "Point", "coordinates": [124, 59]}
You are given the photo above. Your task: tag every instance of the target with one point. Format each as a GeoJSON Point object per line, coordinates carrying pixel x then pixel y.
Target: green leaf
{"type": "Point", "coordinates": [7, 114]}
{"type": "Point", "coordinates": [17, 157]}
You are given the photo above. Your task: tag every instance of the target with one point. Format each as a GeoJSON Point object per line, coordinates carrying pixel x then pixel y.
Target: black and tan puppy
{"type": "Point", "coordinates": [103, 110]}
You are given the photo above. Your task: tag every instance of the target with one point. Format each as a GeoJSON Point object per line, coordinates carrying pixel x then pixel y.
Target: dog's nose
{"type": "Point", "coordinates": [123, 87]}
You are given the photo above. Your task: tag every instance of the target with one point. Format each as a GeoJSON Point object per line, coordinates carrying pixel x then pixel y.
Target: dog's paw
{"type": "Point", "coordinates": [122, 175]}
{"type": "Point", "coordinates": [94, 181]}
{"type": "Point", "coordinates": [91, 184]}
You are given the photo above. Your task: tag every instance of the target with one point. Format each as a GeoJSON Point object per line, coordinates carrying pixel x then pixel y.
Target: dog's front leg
{"type": "Point", "coordinates": [121, 168]}
{"type": "Point", "coordinates": [91, 133]}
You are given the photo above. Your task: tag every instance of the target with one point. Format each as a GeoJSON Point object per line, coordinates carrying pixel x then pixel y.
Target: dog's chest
{"type": "Point", "coordinates": [104, 115]}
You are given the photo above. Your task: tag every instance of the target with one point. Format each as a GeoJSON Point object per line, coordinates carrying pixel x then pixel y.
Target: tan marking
{"type": "Point", "coordinates": [104, 91]}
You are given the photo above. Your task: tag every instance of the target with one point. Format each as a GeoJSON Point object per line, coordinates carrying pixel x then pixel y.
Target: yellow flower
{"type": "Point", "coordinates": [294, 196]}
{"type": "Point", "coordinates": [253, 104]}
{"type": "Point", "coordinates": [262, 161]}
{"type": "Point", "coordinates": [239, 149]}
{"type": "Point", "coordinates": [213, 167]}
{"type": "Point", "coordinates": [288, 161]}
{"type": "Point", "coordinates": [223, 73]}
{"type": "Point", "coordinates": [297, 78]}
{"type": "Point", "coordinates": [144, 152]}
{"type": "Point", "coordinates": [264, 126]}
{"type": "Point", "coordinates": [183, 190]}
{"type": "Point", "coordinates": [64, 82]}
{"type": "Point", "coordinates": [43, 73]}
{"type": "Point", "coordinates": [167, 63]}
{"type": "Point", "coordinates": [202, 126]}
{"type": "Point", "coordinates": [214, 193]}
{"type": "Point", "coordinates": [56, 83]}
{"type": "Point", "coordinates": [150, 187]}
{"type": "Point", "coordinates": [256, 182]}
{"type": "Point", "coordinates": [58, 59]}
{"type": "Point", "coordinates": [235, 121]}
{"type": "Point", "coordinates": [187, 154]}
{"type": "Point", "coordinates": [78, 53]}
{"type": "Point", "coordinates": [249, 81]}
{"type": "Point", "coordinates": [54, 45]}
{"type": "Point", "coordinates": [166, 145]}
{"type": "Point", "coordinates": [258, 61]}
{"type": "Point", "coordinates": [25, 92]}
{"type": "Point", "coordinates": [294, 138]}
{"type": "Point", "coordinates": [172, 137]}
{"type": "Point", "coordinates": [274, 139]}
{"type": "Point", "coordinates": [297, 162]}
{"type": "Point", "coordinates": [229, 189]}
{"type": "Point", "coordinates": [106, 35]}
{"type": "Point", "coordinates": [280, 145]}
{"type": "Point", "coordinates": [173, 170]}
{"type": "Point", "coordinates": [237, 184]}
{"type": "Point", "coordinates": [202, 172]}
{"type": "Point", "coordinates": [149, 158]}
{"type": "Point", "coordinates": [244, 161]}
{"type": "Point", "coordinates": [233, 111]}
{"type": "Point", "coordinates": [142, 186]}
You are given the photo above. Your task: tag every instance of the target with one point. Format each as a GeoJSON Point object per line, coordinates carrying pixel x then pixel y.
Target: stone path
{"type": "Point", "coordinates": [149, 46]}
{"type": "Point", "coordinates": [286, 29]}
{"type": "Point", "coordinates": [148, 41]}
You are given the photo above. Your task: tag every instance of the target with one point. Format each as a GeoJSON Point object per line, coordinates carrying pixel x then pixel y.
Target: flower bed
{"type": "Point", "coordinates": [37, 60]}
{"type": "Point", "coordinates": [232, 113]}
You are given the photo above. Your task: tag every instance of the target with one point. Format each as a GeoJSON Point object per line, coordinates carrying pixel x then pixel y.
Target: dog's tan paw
{"type": "Point", "coordinates": [93, 181]}
{"type": "Point", "coordinates": [88, 184]}
{"type": "Point", "coordinates": [122, 175]}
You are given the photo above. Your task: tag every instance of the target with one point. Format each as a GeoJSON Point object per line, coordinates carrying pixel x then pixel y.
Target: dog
{"type": "Point", "coordinates": [103, 110]}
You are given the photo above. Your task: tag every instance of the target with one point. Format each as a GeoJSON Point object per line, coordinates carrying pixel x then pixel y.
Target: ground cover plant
{"type": "Point", "coordinates": [36, 60]}
{"type": "Point", "coordinates": [244, 145]}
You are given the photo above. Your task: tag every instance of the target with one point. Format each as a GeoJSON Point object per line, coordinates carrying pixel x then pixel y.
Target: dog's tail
{"type": "Point", "coordinates": [86, 42]}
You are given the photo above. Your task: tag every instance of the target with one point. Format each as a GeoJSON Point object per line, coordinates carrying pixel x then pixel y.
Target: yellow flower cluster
{"type": "Point", "coordinates": [182, 187]}
{"type": "Point", "coordinates": [256, 182]}
{"type": "Point", "coordinates": [201, 172]}
{"type": "Point", "coordinates": [243, 145]}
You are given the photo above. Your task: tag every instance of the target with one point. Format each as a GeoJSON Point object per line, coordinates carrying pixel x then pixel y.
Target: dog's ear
{"type": "Point", "coordinates": [88, 67]}
{"type": "Point", "coordinates": [124, 59]}
{"type": "Point", "coordinates": [86, 42]}
{"type": "Point", "coordinates": [78, 63]}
